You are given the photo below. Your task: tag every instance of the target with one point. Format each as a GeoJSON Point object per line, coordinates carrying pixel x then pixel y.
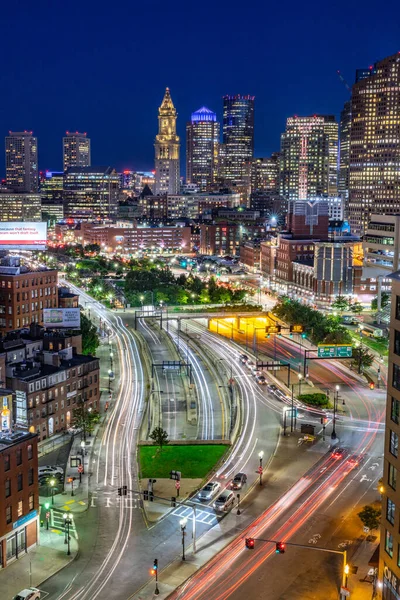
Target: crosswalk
{"type": "Point", "coordinates": [57, 521]}
{"type": "Point", "coordinates": [202, 516]}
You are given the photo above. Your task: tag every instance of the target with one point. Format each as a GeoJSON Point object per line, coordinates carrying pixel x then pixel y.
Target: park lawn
{"type": "Point", "coordinates": [378, 344]}
{"type": "Point", "coordinates": [194, 461]}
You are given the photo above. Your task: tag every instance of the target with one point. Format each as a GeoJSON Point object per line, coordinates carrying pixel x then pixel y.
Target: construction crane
{"type": "Point", "coordinates": [342, 79]}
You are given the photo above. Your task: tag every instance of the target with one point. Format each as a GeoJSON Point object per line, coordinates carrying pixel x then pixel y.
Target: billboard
{"type": "Point", "coordinates": [62, 317]}
{"type": "Point", "coordinates": [23, 236]}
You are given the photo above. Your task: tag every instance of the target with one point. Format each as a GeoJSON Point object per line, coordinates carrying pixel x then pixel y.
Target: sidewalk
{"type": "Point", "coordinates": [38, 564]}
{"type": "Point", "coordinates": [361, 584]}
{"type": "Point", "coordinates": [289, 462]}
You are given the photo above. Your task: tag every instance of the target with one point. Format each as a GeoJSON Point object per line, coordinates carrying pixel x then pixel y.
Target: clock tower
{"type": "Point", "coordinates": [167, 149]}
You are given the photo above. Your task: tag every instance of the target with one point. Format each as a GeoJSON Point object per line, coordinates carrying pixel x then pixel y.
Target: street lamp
{"type": "Point", "coordinates": [109, 380]}
{"type": "Point", "coordinates": [335, 402]}
{"type": "Point", "coordinates": [52, 483]}
{"type": "Point", "coordinates": [300, 376]}
{"type": "Point", "coordinates": [67, 523]}
{"type": "Point", "coordinates": [182, 523]}
{"type": "Point", "coordinates": [260, 468]}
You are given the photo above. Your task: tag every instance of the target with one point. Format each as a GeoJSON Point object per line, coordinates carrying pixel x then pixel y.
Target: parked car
{"type": "Point", "coordinates": [74, 430]}
{"type": "Point", "coordinates": [224, 502]}
{"type": "Point", "coordinates": [209, 490]}
{"type": "Point", "coordinates": [250, 364]}
{"type": "Point", "coordinates": [238, 481]}
{"type": "Point", "coordinates": [50, 470]}
{"type": "Point", "coordinates": [261, 380]}
{"type": "Point", "coordinates": [28, 594]}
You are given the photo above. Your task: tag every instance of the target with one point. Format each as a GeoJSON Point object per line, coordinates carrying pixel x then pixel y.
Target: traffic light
{"type": "Point", "coordinates": [249, 543]}
{"type": "Point", "coordinates": [371, 385]}
{"type": "Point", "coordinates": [145, 495]}
{"type": "Point", "coordinates": [155, 565]}
{"type": "Point", "coordinates": [268, 335]}
{"type": "Point", "coordinates": [173, 501]}
{"type": "Point", "coordinates": [291, 335]}
{"type": "Point", "coordinates": [280, 548]}
{"type": "Point", "coordinates": [303, 335]}
{"type": "Point", "coordinates": [47, 505]}
{"type": "Point", "coordinates": [123, 491]}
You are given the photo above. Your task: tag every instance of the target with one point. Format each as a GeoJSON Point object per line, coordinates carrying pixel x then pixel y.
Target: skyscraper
{"type": "Point", "coordinates": [91, 192]}
{"type": "Point", "coordinates": [308, 163]}
{"type": "Point", "coordinates": [374, 181]}
{"type": "Point", "coordinates": [238, 141]}
{"type": "Point", "coordinates": [22, 162]}
{"type": "Point", "coordinates": [265, 174]}
{"type": "Point", "coordinates": [76, 150]}
{"type": "Point", "coordinates": [167, 149]}
{"type": "Point", "coordinates": [344, 153]}
{"type": "Point", "coordinates": [202, 141]}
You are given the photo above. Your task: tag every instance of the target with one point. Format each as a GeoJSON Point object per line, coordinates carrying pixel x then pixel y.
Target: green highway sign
{"type": "Point", "coordinates": [335, 351]}
{"type": "Point", "coordinates": [326, 351]}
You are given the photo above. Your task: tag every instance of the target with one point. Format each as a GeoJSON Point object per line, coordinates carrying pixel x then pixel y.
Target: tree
{"type": "Point", "coordinates": [92, 248]}
{"type": "Point", "coordinates": [385, 297]}
{"type": "Point", "coordinates": [90, 338]}
{"type": "Point", "coordinates": [362, 358]}
{"type": "Point", "coordinates": [340, 303]}
{"type": "Point", "coordinates": [85, 419]}
{"type": "Point", "coordinates": [340, 335]}
{"type": "Point", "coordinates": [370, 517]}
{"type": "Point", "coordinates": [160, 437]}
{"type": "Point", "coordinates": [356, 307]}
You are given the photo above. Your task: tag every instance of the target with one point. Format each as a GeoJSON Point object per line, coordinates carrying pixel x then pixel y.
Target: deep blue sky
{"type": "Point", "coordinates": [102, 67]}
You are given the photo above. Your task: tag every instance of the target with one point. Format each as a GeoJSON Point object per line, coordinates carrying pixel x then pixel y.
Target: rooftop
{"type": "Point", "coordinates": [11, 438]}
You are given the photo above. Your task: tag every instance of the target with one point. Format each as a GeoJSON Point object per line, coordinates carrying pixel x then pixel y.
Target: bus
{"type": "Point", "coordinates": [371, 331]}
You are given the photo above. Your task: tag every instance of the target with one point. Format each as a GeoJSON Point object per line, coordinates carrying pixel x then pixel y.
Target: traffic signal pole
{"type": "Point", "coordinates": [250, 543]}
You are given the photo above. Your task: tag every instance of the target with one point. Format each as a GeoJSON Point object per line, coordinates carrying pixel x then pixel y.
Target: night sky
{"type": "Point", "coordinates": [102, 67]}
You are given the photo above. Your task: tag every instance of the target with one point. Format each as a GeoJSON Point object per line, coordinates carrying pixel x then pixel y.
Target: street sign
{"type": "Point", "coordinates": [80, 469]}
{"type": "Point", "coordinates": [48, 514]}
{"type": "Point", "coordinates": [177, 485]}
{"type": "Point", "coordinates": [365, 529]}
{"type": "Point", "coordinates": [296, 329]}
{"type": "Point", "coordinates": [344, 591]}
{"type": "Point", "coordinates": [338, 351]}
{"type": "Point", "coordinates": [260, 470]}
{"type": "Point", "coordinates": [273, 329]}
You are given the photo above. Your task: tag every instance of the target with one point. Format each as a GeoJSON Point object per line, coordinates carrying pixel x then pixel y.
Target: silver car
{"type": "Point", "coordinates": [224, 502]}
{"type": "Point", "coordinates": [209, 490]}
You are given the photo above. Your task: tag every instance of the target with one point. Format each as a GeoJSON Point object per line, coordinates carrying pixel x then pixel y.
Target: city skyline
{"type": "Point", "coordinates": [119, 112]}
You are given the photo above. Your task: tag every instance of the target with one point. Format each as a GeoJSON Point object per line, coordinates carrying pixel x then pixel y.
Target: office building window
{"type": "Point", "coordinates": [30, 452]}
{"type": "Point", "coordinates": [394, 444]}
{"type": "Point", "coordinates": [6, 462]}
{"type": "Point", "coordinates": [8, 514]}
{"type": "Point", "coordinates": [19, 482]}
{"type": "Point", "coordinates": [8, 487]}
{"type": "Point", "coordinates": [30, 477]}
{"type": "Point", "coordinates": [31, 501]}
{"type": "Point", "coordinates": [19, 456]}
{"type": "Point", "coordinates": [395, 411]}
{"type": "Point", "coordinates": [396, 348]}
{"type": "Point", "coordinates": [398, 308]}
{"type": "Point", "coordinates": [20, 509]}
{"type": "Point", "coordinates": [392, 476]}
{"type": "Point", "coordinates": [389, 543]}
{"type": "Point", "coordinates": [390, 510]}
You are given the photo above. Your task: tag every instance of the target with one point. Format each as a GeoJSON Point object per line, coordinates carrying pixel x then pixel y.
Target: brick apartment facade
{"type": "Point", "coordinates": [19, 495]}
{"type": "Point", "coordinates": [24, 294]}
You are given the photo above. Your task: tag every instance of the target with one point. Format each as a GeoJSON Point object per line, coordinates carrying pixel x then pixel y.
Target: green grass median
{"type": "Point", "coordinates": [194, 461]}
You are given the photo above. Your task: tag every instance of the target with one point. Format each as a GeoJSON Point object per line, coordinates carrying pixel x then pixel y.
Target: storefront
{"type": "Point", "coordinates": [391, 585]}
{"type": "Point", "coordinates": [23, 536]}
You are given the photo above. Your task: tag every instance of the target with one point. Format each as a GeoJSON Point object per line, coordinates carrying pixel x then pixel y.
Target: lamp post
{"type": "Point", "coordinates": [260, 468]}
{"type": "Point", "coordinates": [300, 376]}
{"type": "Point", "coordinates": [335, 401]}
{"type": "Point", "coordinates": [109, 380]}
{"type": "Point", "coordinates": [182, 523]}
{"type": "Point", "coordinates": [52, 483]}
{"type": "Point", "coordinates": [238, 504]}
{"type": "Point", "coordinates": [67, 523]}
{"type": "Point", "coordinates": [47, 509]}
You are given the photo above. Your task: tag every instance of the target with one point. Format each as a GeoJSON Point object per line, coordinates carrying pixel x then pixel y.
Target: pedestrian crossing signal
{"type": "Point", "coordinates": [249, 543]}
{"type": "Point", "coordinates": [280, 548]}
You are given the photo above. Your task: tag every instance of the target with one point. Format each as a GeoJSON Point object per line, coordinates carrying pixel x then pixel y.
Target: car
{"type": "Point", "coordinates": [338, 453]}
{"type": "Point", "coordinates": [250, 364]}
{"type": "Point", "coordinates": [208, 491]}
{"type": "Point", "coordinates": [238, 481]}
{"type": "Point", "coordinates": [224, 502]}
{"type": "Point", "coordinates": [261, 379]}
{"type": "Point", "coordinates": [272, 387]}
{"type": "Point", "coordinates": [244, 358]}
{"type": "Point", "coordinates": [355, 459]}
{"type": "Point", "coordinates": [28, 594]}
{"type": "Point", "coordinates": [50, 470]}
{"type": "Point", "coordinates": [74, 430]}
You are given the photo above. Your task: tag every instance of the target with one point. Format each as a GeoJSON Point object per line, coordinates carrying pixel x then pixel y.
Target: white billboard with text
{"type": "Point", "coordinates": [23, 236]}
{"type": "Point", "coordinates": [62, 317]}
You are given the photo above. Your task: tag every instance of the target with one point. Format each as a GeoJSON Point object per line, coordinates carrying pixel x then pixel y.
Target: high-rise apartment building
{"type": "Point", "coordinates": [238, 142]}
{"type": "Point", "coordinates": [308, 159]}
{"type": "Point", "coordinates": [76, 150]}
{"type": "Point", "coordinates": [265, 174]}
{"type": "Point", "coordinates": [91, 192]}
{"type": "Point", "coordinates": [344, 152]}
{"type": "Point", "coordinates": [167, 147]}
{"type": "Point", "coordinates": [389, 563]}
{"type": "Point", "coordinates": [22, 162]}
{"type": "Point", "coordinates": [374, 182]}
{"type": "Point", "coordinates": [20, 206]}
{"type": "Point", "coordinates": [202, 142]}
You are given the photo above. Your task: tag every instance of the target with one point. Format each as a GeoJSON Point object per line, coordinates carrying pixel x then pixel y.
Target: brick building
{"type": "Point", "coordinates": [19, 497]}
{"type": "Point", "coordinates": [250, 255]}
{"type": "Point", "coordinates": [24, 294]}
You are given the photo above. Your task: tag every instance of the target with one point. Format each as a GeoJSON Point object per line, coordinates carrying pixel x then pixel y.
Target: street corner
{"type": "Point", "coordinates": [165, 493]}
